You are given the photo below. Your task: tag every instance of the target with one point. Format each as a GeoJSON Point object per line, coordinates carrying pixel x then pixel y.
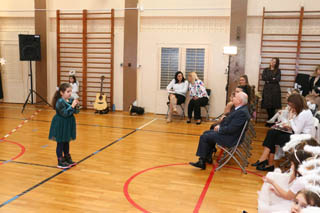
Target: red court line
{"type": "Point", "coordinates": [206, 186]}
{"type": "Point", "coordinates": [23, 149]}
{"type": "Point", "coordinates": [20, 125]}
{"type": "Point", "coordinates": [203, 193]}
{"type": "Point", "coordinates": [126, 185]}
{"type": "Point", "coordinates": [250, 172]}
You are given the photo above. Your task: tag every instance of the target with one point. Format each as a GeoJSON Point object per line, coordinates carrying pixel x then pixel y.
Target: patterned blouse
{"type": "Point", "coordinates": [197, 89]}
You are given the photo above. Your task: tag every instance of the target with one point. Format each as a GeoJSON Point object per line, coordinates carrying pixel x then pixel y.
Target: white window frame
{"type": "Point", "coordinates": [182, 59]}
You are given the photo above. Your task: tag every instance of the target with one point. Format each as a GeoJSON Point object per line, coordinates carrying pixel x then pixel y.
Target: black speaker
{"type": "Point", "coordinates": [29, 47]}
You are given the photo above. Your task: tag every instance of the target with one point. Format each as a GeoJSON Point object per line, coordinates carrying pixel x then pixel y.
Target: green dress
{"type": "Point", "coordinates": [63, 124]}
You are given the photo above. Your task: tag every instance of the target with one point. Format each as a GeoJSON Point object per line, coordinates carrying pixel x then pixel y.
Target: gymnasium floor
{"type": "Point", "coordinates": [126, 164]}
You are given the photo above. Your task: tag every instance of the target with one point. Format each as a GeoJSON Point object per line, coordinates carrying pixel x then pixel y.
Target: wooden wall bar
{"type": "Point", "coordinates": [297, 49]}
{"type": "Point", "coordinates": [85, 43]}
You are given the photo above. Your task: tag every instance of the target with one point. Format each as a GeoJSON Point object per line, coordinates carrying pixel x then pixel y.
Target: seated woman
{"type": "Point", "coordinates": [198, 95]}
{"type": "Point", "coordinates": [314, 83]}
{"type": "Point", "coordinates": [177, 90]}
{"type": "Point", "coordinates": [282, 115]}
{"type": "Point", "coordinates": [244, 84]}
{"type": "Point", "coordinates": [300, 122]}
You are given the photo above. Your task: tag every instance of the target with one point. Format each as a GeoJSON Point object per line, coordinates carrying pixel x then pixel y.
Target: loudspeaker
{"type": "Point", "coordinates": [29, 47]}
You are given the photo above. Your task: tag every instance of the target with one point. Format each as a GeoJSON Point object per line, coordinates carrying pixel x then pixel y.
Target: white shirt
{"type": "Point", "coordinates": [296, 185]}
{"type": "Point", "coordinates": [75, 90]}
{"type": "Point", "coordinates": [303, 123]}
{"type": "Point", "coordinates": [178, 88]}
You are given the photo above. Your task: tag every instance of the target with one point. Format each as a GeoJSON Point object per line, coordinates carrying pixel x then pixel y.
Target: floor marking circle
{"type": "Point", "coordinates": [22, 151]}
{"type": "Point", "coordinates": [127, 183]}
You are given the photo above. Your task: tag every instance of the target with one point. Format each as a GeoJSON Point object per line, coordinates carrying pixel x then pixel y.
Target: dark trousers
{"type": "Point", "coordinates": [207, 144]}
{"type": "Point", "coordinates": [276, 137]}
{"type": "Point", "coordinates": [62, 147]}
{"type": "Point", "coordinates": [194, 105]}
{"type": "Point", "coordinates": [271, 112]}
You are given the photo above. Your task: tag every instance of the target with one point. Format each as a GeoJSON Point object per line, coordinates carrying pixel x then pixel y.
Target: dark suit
{"type": "Point", "coordinates": [228, 134]}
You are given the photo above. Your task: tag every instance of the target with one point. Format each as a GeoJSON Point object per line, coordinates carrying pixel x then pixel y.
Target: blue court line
{"type": "Point", "coordinates": [7, 161]}
{"type": "Point", "coordinates": [62, 171]}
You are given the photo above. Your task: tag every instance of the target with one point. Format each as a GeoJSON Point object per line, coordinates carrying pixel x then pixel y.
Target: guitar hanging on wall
{"type": "Point", "coordinates": [100, 104]}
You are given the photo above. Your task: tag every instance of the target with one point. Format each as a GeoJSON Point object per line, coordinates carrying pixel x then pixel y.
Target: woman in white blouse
{"type": "Point", "coordinates": [177, 90]}
{"type": "Point", "coordinates": [300, 122]}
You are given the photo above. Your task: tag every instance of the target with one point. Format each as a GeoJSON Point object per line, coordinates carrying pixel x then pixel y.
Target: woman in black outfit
{"type": "Point", "coordinates": [271, 97]}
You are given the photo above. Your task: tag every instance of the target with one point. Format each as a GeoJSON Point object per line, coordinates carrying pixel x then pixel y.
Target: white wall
{"type": "Point", "coordinates": [189, 7]}
{"type": "Point", "coordinates": [210, 32]}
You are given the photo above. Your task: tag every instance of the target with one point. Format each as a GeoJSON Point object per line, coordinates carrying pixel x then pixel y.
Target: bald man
{"type": "Point", "coordinates": [226, 134]}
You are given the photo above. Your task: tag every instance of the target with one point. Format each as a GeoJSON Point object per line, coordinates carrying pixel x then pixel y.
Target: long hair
{"type": "Point", "coordinates": [194, 76]}
{"type": "Point", "coordinates": [176, 77]}
{"type": "Point", "coordinates": [62, 88]}
{"type": "Point", "coordinates": [310, 142]}
{"type": "Point", "coordinates": [276, 66]}
{"type": "Point", "coordinates": [74, 79]}
{"type": "Point", "coordinates": [298, 102]}
{"type": "Point", "coordinates": [245, 78]}
{"type": "Point", "coordinates": [297, 157]}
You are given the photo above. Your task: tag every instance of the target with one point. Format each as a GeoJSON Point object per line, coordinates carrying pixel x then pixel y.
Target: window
{"type": "Point", "coordinates": [169, 65]}
{"type": "Point", "coordinates": [193, 60]}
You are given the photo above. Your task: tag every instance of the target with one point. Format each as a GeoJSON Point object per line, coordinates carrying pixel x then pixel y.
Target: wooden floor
{"type": "Point", "coordinates": [126, 164]}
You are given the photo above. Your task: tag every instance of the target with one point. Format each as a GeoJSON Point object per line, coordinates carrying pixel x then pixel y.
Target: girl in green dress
{"type": "Point", "coordinates": [63, 125]}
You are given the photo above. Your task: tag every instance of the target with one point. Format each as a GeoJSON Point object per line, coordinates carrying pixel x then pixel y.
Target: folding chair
{"type": "Point", "coordinates": [233, 151]}
{"type": "Point", "coordinates": [206, 107]}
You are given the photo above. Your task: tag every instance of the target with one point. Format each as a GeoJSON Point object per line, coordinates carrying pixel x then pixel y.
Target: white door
{"type": "Point", "coordinates": [15, 72]}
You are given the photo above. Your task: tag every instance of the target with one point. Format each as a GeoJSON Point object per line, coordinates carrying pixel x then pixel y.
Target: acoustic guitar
{"type": "Point", "coordinates": [100, 103]}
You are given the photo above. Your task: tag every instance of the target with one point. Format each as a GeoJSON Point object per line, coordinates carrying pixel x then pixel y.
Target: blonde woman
{"type": "Point", "coordinates": [315, 82]}
{"type": "Point", "coordinates": [198, 95]}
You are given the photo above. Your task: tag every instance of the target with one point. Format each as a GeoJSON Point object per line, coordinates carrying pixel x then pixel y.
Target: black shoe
{"type": "Point", "coordinates": [62, 164]}
{"type": "Point", "coordinates": [188, 121]}
{"type": "Point", "coordinates": [198, 123]}
{"type": "Point", "coordinates": [269, 124]}
{"type": "Point", "coordinates": [264, 168]}
{"type": "Point", "coordinates": [67, 159]}
{"type": "Point", "coordinates": [200, 164]}
{"type": "Point", "coordinates": [258, 163]}
{"type": "Point", "coordinates": [209, 160]}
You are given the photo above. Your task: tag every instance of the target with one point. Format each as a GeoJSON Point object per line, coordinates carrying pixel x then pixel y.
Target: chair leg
{"type": "Point", "coordinates": [231, 155]}
{"type": "Point", "coordinates": [182, 109]}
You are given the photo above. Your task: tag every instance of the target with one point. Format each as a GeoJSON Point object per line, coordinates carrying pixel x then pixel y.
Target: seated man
{"type": "Point", "coordinates": [226, 134]}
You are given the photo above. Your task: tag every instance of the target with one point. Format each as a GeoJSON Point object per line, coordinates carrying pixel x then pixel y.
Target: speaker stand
{"type": "Point", "coordinates": [31, 91]}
